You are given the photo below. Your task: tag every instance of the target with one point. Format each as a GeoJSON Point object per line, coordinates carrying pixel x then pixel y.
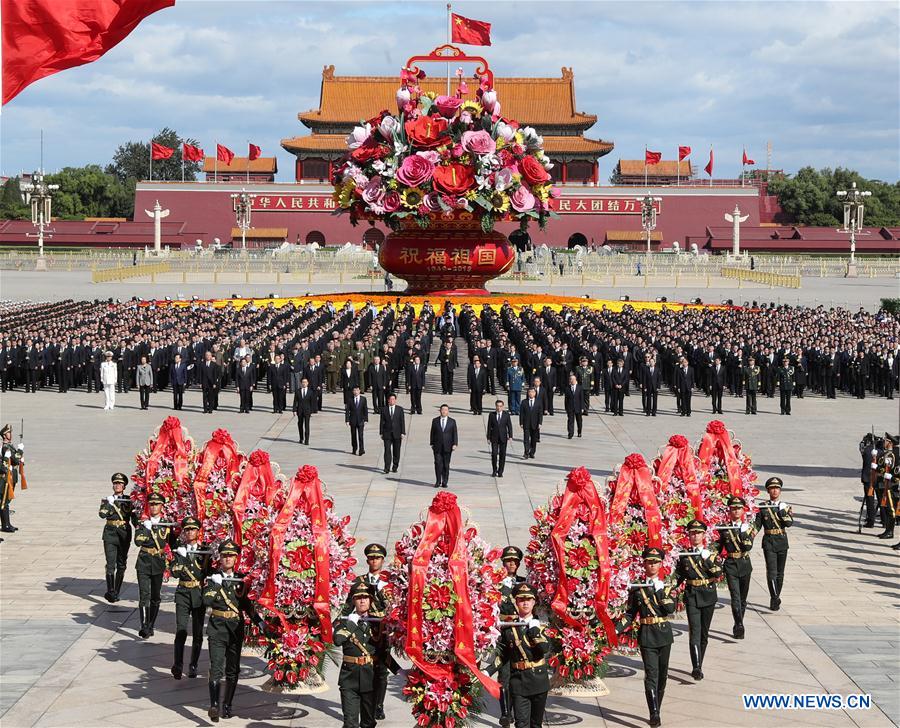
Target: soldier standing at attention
{"type": "Point", "coordinates": [699, 573]}
{"type": "Point", "coordinates": [524, 648]}
{"type": "Point", "coordinates": [11, 460]}
{"type": "Point", "coordinates": [785, 376]}
{"type": "Point", "coordinates": [585, 374]}
{"type": "Point", "coordinates": [887, 485]}
{"type": "Point", "coordinates": [117, 509]}
{"type": "Point", "coordinates": [225, 596]}
{"type": "Point", "coordinates": [653, 605]}
{"type": "Point", "coordinates": [151, 535]}
{"type": "Point", "coordinates": [360, 645]}
{"type": "Point", "coordinates": [191, 568]}
{"type": "Point", "coordinates": [512, 557]}
{"type": "Point", "coordinates": [750, 379]}
{"type": "Point", "coordinates": [774, 517]}
{"type": "Point", "coordinates": [736, 540]}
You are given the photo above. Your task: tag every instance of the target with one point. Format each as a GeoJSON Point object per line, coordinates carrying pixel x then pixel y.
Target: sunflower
{"type": "Point", "coordinates": [345, 193]}
{"type": "Point", "coordinates": [518, 138]}
{"type": "Point", "coordinates": [412, 197]}
{"type": "Point", "coordinates": [473, 107]}
{"type": "Point", "coordinates": [499, 201]}
{"type": "Point", "coordinates": [542, 192]}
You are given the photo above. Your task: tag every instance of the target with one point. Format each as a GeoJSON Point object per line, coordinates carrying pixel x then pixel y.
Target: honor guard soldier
{"type": "Point", "coordinates": [226, 598]}
{"type": "Point", "coordinates": [190, 565]}
{"type": "Point", "coordinates": [360, 643]}
{"type": "Point", "coordinates": [751, 379]}
{"type": "Point", "coordinates": [868, 448]}
{"type": "Point", "coordinates": [117, 510]}
{"type": "Point", "coordinates": [524, 648]}
{"type": "Point", "coordinates": [511, 557]}
{"type": "Point", "coordinates": [652, 604]}
{"type": "Point", "coordinates": [773, 518]}
{"type": "Point", "coordinates": [698, 572]}
{"type": "Point", "coordinates": [886, 481]}
{"type": "Point", "coordinates": [152, 535]}
{"type": "Point", "coordinates": [736, 540]}
{"type": "Point", "coordinates": [11, 460]}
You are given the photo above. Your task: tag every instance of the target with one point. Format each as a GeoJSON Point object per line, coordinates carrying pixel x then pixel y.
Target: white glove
{"type": "Point", "coordinates": [181, 551]}
{"type": "Point", "coordinates": [704, 553]}
{"type": "Point", "coordinates": [782, 507]}
{"type": "Point", "coordinates": [110, 499]}
{"type": "Point", "coordinates": [353, 618]}
{"type": "Point", "coordinates": [6, 454]}
{"type": "Point", "coordinates": [147, 524]}
{"type": "Point", "coordinates": [744, 527]}
{"type": "Point", "coordinates": [532, 623]}
{"type": "Point", "coordinates": [874, 452]}
{"type": "Point", "coordinates": [216, 579]}
{"type": "Point", "coordinates": [658, 584]}
{"type": "Point", "coordinates": [887, 476]}
{"type": "Point", "coordinates": [20, 447]}
{"type": "Point", "coordinates": [874, 466]}
{"type": "Point", "coordinates": [508, 582]}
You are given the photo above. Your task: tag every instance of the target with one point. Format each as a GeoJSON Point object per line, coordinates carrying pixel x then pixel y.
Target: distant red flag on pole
{"type": "Point", "coordinates": [683, 153]}
{"type": "Point", "coordinates": [158, 151]}
{"type": "Point", "coordinates": [709, 165]}
{"type": "Point", "coordinates": [43, 37]}
{"type": "Point", "coordinates": [470, 32]}
{"type": "Point", "coordinates": [255, 151]}
{"type": "Point", "coordinates": [191, 153]}
{"type": "Point", "coordinates": [652, 157]}
{"type": "Point", "coordinates": [747, 160]}
{"type": "Point", "coordinates": [224, 154]}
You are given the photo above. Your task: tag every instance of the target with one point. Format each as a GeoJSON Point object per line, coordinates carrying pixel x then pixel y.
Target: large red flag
{"type": "Point", "coordinates": [470, 32]}
{"type": "Point", "coordinates": [191, 153]}
{"type": "Point", "coordinates": [652, 157]}
{"type": "Point", "coordinates": [255, 151]}
{"type": "Point", "coordinates": [709, 165]}
{"type": "Point", "coordinates": [747, 159]}
{"type": "Point", "coordinates": [224, 154]}
{"type": "Point", "coordinates": [42, 37]}
{"type": "Point", "coordinates": [158, 151]}
{"type": "Point", "coordinates": [683, 153]}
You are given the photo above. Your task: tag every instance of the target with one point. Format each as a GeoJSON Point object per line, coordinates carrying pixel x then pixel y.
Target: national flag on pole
{"type": "Point", "coordinates": [255, 151]}
{"type": "Point", "coordinates": [158, 151]}
{"type": "Point", "coordinates": [747, 160]}
{"type": "Point", "coordinates": [470, 32]}
{"type": "Point", "coordinates": [683, 153]}
{"type": "Point", "coordinates": [190, 153]}
{"type": "Point", "coordinates": [43, 37]}
{"type": "Point", "coordinates": [652, 157]}
{"type": "Point", "coordinates": [224, 154]}
{"type": "Point", "coordinates": [709, 165]}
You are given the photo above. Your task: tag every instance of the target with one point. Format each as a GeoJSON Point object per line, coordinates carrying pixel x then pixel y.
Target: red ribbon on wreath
{"type": "Point", "coordinates": [678, 454]}
{"type": "Point", "coordinates": [169, 442]}
{"type": "Point", "coordinates": [635, 474]}
{"type": "Point", "coordinates": [258, 479]}
{"type": "Point", "coordinates": [580, 490]}
{"type": "Point", "coordinates": [305, 493]}
{"type": "Point", "coordinates": [444, 521]}
{"type": "Point", "coordinates": [220, 445]}
{"type": "Point", "coordinates": [717, 441]}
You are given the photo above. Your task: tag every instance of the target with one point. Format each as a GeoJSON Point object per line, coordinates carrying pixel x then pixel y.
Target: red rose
{"type": "Point", "coordinates": [368, 152]}
{"type": "Point", "coordinates": [427, 132]}
{"type": "Point", "coordinates": [454, 178]}
{"type": "Point", "coordinates": [533, 172]}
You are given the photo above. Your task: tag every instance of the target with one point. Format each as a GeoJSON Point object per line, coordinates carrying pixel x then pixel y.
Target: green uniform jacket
{"type": "Point", "coordinates": [525, 645]}
{"type": "Point", "coordinates": [773, 520]}
{"type": "Point", "coordinates": [694, 568]}
{"type": "Point", "coordinates": [227, 597]}
{"type": "Point", "coordinates": [647, 603]}
{"type": "Point", "coordinates": [751, 378]}
{"type": "Point", "coordinates": [585, 376]}
{"type": "Point", "coordinates": [785, 377]}
{"type": "Point", "coordinates": [151, 560]}
{"type": "Point", "coordinates": [357, 640]}
{"type": "Point", "coordinates": [735, 543]}
{"type": "Point", "coordinates": [190, 568]}
{"type": "Point", "coordinates": [118, 520]}
{"type": "Point", "coordinates": [6, 465]}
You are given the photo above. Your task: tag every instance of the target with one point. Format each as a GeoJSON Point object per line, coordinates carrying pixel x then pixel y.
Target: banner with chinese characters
{"type": "Point", "coordinates": [294, 203]}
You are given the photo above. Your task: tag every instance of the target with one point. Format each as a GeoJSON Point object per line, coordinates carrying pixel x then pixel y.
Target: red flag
{"type": "Point", "coordinates": [224, 154]}
{"type": "Point", "coordinates": [747, 159]}
{"type": "Point", "coordinates": [709, 165]}
{"type": "Point", "coordinates": [255, 151]}
{"type": "Point", "coordinates": [43, 37]}
{"type": "Point", "coordinates": [652, 157]}
{"type": "Point", "coordinates": [470, 32]}
{"type": "Point", "coordinates": [158, 151]}
{"type": "Point", "coordinates": [683, 153]}
{"type": "Point", "coordinates": [191, 153]}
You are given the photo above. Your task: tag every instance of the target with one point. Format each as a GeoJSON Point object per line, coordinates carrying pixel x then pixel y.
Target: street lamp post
{"type": "Point", "coordinates": [854, 207]}
{"type": "Point", "coordinates": [38, 194]}
{"type": "Point", "coordinates": [243, 204]}
{"type": "Point", "coordinates": [648, 216]}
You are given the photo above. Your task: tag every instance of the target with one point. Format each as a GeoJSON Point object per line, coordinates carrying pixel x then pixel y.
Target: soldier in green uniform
{"type": "Point", "coordinates": [11, 459]}
{"type": "Point", "coordinates": [785, 377]}
{"type": "Point", "coordinates": [750, 380]}
{"type": "Point", "coordinates": [885, 473]}
{"type": "Point", "coordinates": [524, 647]}
{"type": "Point", "coordinates": [652, 604]}
{"type": "Point", "coordinates": [774, 517]}
{"type": "Point", "coordinates": [585, 374]}
{"type": "Point", "coordinates": [118, 512]}
{"type": "Point", "coordinates": [332, 363]}
{"type": "Point", "coordinates": [152, 535]}
{"type": "Point", "coordinates": [190, 565]}
{"type": "Point", "coordinates": [736, 540]}
{"type": "Point", "coordinates": [699, 575]}
{"type": "Point", "coordinates": [225, 597]}
{"type": "Point", "coordinates": [359, 641]}
{"type": "Point", "coordinates": [511, 557]}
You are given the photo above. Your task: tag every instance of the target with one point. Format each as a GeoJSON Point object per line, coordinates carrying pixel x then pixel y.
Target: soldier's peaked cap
{"type": "Point", "coordinates": [156, 498]}
{"type": "Point", "coordinates": [511, 553]}
{"type": "Point", "coordinates": [524, 591]}
{"type": "Point", "coordinates": [361, 590]}
{"type": "Point", "coordinates": [375, 549]}
{"type": "Point", "coordinates": [774, 482]}
{"type": "Point", "coordinates": [229, 548]}
{"type": "Point", "coordinates": [119, 478]}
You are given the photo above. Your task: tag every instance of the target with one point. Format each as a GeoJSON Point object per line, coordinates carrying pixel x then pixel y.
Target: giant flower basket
{"type": "Point", "coordinates": [310, 571]}
{"type": "Point", "coordinates": [724, 469]}
{"type": "Point", "coordinates": [569, 565]}
{"type": "Point", "coordinates": [215, 482]}
{"type": "Point", "coordinates": [166, 466]}
{"type": "Point", "coordinates": [440, 173]}
{"type": "Point", "coordinates": [444, 597]}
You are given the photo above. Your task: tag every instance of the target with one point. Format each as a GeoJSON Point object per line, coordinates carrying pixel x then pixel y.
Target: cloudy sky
{"type": "Point", "coordinates": [818, 79]}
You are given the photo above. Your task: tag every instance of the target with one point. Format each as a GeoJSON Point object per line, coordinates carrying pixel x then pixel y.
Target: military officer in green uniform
{"type": "Point", "coordinates": [699, 574]}
{"type": "Point", "coordinates": [360, 641]}
{"type": "Point", "coordinates": [885, 479]}
{"type": "Point", "coordinates": [511, 557]}
{"type": "Point", "coordinates": [225, 597]}
{"type": "Point", "coordinates": [524, 647]}
{"type": "Point", "coordinates": [750, 380]}
{"type": "Point", "coordinates": [11, 458]}
{"type": "Point", "coordinates": [190, 565]}
{"type": "Point", "coordinates": [332, 368]}
{"type": "Point", "coordinates": [785, 377]}
{"type": "Point", "coordinates": [736, 540]}
{"type": "Point", "coordinates": [773, 518]}
{"type": "Point", "coordinates": [585, 374]}
{"type": "Point", "coordinates": [117, 510]}
{"type": "Point", "coordinates": [152, 535]}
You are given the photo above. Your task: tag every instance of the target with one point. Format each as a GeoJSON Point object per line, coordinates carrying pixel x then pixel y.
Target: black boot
{"type": "Point", "coordinates": [195, 658]}
{"type": "Point", "coordinates": [230, 687]}
{"type": "Point", "coordinates": [215, 689]}
{"type": "Point", "coordinates": [120, 577]}
{"type": "Point", "coordinates": [696, 663]}
{"type": "Point", "coordinates": [774, 601]}
{"type": "Point", "coordinates": [652, 706]}
{"type": "Point", "coordinates": [738, 631]}
{"type": "Point", "coordinates": [110, 595]}
{"type": "Point", "coordinates": [143, 633]}
{"type": "Point", "coordinates": [152, 611]}
{"type": "Point", "coordinates": [178, 664]}
{"type": "Point", "coordinates": [505, 719]}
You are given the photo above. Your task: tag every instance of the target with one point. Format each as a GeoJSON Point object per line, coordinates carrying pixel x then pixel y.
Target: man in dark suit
{"type": "Point", "coordinates": [304, 406]}
{"type": "Point", "coordinates": [650, 382]}
{"type": "Point", "coordinates": [619, 380]}
{"type": "Point", "coordinates": [573, 398]}
{"type": "Point", "coordinates": [477, 380]}
{"type": "Point", "coordinates": [717, 380]}
{"type": "Point", "coordinates": [530, 417]}
{"type": "Point", "coordinates": [315, 374]}
{"type": "Point", "coordinates": [448, 360]}
{"type": "Point", "coordinates": [178, 374]}
{"type": "Point", "coordinates": [377, 376]}
{"type": "Point", "coordinates": [392, 428]}
{"type": "Point", "coordinates": [608, 393]}
{"type": "Point", "coordinates": [356, 414]}
{"type": "Point", "coordinates": [499, 433]}
{"type": "Point", "coordinates": [415, 383]}
{"type": "Point", "coordinates": [279, 375]}
{"type": "Point", "coordinates": [444, 439]}
{"type": "Point", "coordinates": [684, 387]}
{"type": "Point", "coordinates": [209, 376]}
{"type": "Point", "coordinates": [246, 383]}
{"type": "Point", "coordinates": [548, 383]}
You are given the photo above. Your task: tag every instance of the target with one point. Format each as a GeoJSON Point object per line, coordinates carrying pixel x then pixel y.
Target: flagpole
{"type": "Point", "coordinates": [216, 168]}
{"type": "Point", "coordinates": [711, 167]}
{"type": "Point", "coordinates": [449, 27]}
{"type": "Point", "coordinates": [743, 165]}
{"type": "Point", "coordinates": [248, 161]}
{"type": "Point", "coordinates": [645, 165]}
{"type": "Point", "coordinates": [678, 168]}
{"type": "Point", "coordinates": [182, 162]}
{"type": "Point", "coordinates": [151, 160]}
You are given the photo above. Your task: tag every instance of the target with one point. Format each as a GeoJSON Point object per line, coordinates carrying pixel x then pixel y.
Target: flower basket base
{"type": "Point", "coordinates": [591, 688]}
{"type": "Point", "coordinates": [313, 685]}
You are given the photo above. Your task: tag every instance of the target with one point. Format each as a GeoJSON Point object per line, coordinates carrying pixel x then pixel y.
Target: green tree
{"type": "Point", "coordinates": [11, 205]}
{"type": "Point", "coordinates": [131, 160]}
{"type": "Point", "coordinates": [88, 192]}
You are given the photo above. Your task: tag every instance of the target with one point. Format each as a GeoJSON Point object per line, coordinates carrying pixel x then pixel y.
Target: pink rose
{"type": "Point", "coordinates": [373, 193]}
{"type": "Point", "coordinates": [457, 151]}
{"type": "Point", "coordinates": [522, 200]}
{"type": "Point", "coordinates": [447, 106]}
{"type": "Point", "coordinates": [478, 142]}
{"type": "Point", "coordinates": [431, 202]}
{"type": "Point", "coordinates": [415, 170]}
{"type": "Point", "coordinates": [391, 201]}
{"type": "Point", "coordinates": [431, 155]}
